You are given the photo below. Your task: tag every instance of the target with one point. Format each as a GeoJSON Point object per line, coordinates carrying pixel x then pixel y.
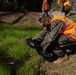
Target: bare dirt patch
{"type": "Point", "coordinates": [20, 18]}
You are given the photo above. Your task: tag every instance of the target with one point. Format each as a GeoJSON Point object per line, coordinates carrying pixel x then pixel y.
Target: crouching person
{"type": "Point", "coordinates": [59, 30]}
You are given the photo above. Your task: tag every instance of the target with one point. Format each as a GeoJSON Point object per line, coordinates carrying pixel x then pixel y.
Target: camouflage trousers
{"type": "Point", "coordinates": [56, 44]}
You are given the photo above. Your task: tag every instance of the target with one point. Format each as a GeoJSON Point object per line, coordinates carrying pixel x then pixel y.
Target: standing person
{"type": "Point", "coordinates": [64, 5]}
{"type": "Point", "coordinates": [59, 30]}
{"type": "Point", "coordinates": [45, 6]}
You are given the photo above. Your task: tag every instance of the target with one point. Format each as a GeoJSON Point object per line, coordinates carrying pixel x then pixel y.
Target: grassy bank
{"type": "Point", "coordinates": [13, 45]}
{"type": "Point", "coordinates": [26, 60]}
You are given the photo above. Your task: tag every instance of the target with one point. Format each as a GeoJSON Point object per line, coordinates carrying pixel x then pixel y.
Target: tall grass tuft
{"type": "Point", "coordinates": [12, 42]}
{"type": "Point", "coordinates": [4, 70]}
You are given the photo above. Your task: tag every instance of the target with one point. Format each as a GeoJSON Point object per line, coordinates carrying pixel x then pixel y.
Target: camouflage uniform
{"type": "Point", "coordinates": [45, 11]}
{"type": "Point", "coordinates": [53, 38]}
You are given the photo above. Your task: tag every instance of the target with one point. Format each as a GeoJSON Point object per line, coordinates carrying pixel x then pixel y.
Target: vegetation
{"type": "Point", "coordinates": [21, 5]}
{"type": "Point", "coordinates": [13, 45]}
{"type": "Point", "coordinates": [26, 60]}
{"type": "Point", "coordinates": [15, 56]}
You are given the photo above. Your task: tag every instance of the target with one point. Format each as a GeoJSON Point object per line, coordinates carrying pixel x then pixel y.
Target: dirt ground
{"type": "Point", "coordinates": [23, 18]}
{"type": "Point", "coordinates": [20, 18]}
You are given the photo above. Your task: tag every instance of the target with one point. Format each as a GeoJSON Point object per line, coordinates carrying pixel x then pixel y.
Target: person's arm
{"type": "Point", "coordinates": [55, 29]}
{"type": "Point", "coordinates": [43, 6]}
{"type": "Point", "coordinates": [42, 33]}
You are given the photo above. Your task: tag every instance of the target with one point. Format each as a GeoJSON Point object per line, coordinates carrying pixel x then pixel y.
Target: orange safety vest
{"type": "Point", "coordinates": [70, 26]}
{"type": "Point", "coordinates": [66, 3]}
{"type": "Point", "coordinates": [45, 5]}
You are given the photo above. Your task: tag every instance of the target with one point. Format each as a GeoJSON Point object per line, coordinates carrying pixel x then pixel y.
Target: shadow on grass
{"type": "Point", "coordinates": [11, 63]}
{"type": "Point", "coordinates": [7, 61]}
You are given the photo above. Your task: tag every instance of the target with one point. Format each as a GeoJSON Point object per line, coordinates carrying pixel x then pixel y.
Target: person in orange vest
{"type": "Point", "coordinates": [45, 6]}
{"type": "Point", "coordinates": [64, 5]}
{"type": "Point", "coordinates": [59, 30]}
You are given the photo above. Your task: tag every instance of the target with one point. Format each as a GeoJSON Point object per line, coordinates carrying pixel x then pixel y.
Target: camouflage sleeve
{"type": "Point", "coordinates": [42, 33]}
{"type": "Point", "coordinates": [55, 30]}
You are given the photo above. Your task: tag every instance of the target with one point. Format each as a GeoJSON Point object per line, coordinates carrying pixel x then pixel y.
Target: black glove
{"type": "Point", "coordinates": [38, 40]}
{"type": "Point", "coordinates": [33, 43]}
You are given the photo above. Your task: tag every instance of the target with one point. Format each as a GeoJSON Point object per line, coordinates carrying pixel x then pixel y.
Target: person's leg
{"type": "Point", "coordinates": [57, 50]}
{"type": "Point", "coordinates": [56, 47]}
{"type": "Point", "coordinates": [49, 56]}
{"type": "Point", "coordinates": [47, 52]}
{"type": "Point", "coordinates": [62, 57]}
{"type": "Point", "coordinates": [63, 40]}
{"type": "Point", "coordinates": [59, 42]}
{"type": "Point", "coordinates": [60, 54]}
{"type": "Point", "coordinates": [51, 51]}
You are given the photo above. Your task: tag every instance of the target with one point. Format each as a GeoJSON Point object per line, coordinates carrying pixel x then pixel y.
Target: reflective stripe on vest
{"type": "Point", "coordinates": [58, 2]}
{"type": "Point", "coordinates": [70, 26]}
{"type": "Point", "coordinates": [71, 29]}
{"type": "Point", "coordinates": [66, 3]}
{"type": "Point", "coordinates": [46, 6]}
{"type": "Point", "coordinates": [67, 22]}
{"type": "Point", "coordinates": [74, 31]}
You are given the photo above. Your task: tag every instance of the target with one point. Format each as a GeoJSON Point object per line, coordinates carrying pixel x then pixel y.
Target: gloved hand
{"type": "Point", "coordinates": [33, 43]}
{"type": "Point", "coordinates": [38, 40]}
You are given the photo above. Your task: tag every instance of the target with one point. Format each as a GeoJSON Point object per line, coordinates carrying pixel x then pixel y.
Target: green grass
{"type": "Point", "coordinates": [73, 17]}
{"type": "Point", "coordinates": [4, 70]}
{"type": "Point", "coordinates": [14, 48]}
{"type": "Point", "coordinates": [12, 42]}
